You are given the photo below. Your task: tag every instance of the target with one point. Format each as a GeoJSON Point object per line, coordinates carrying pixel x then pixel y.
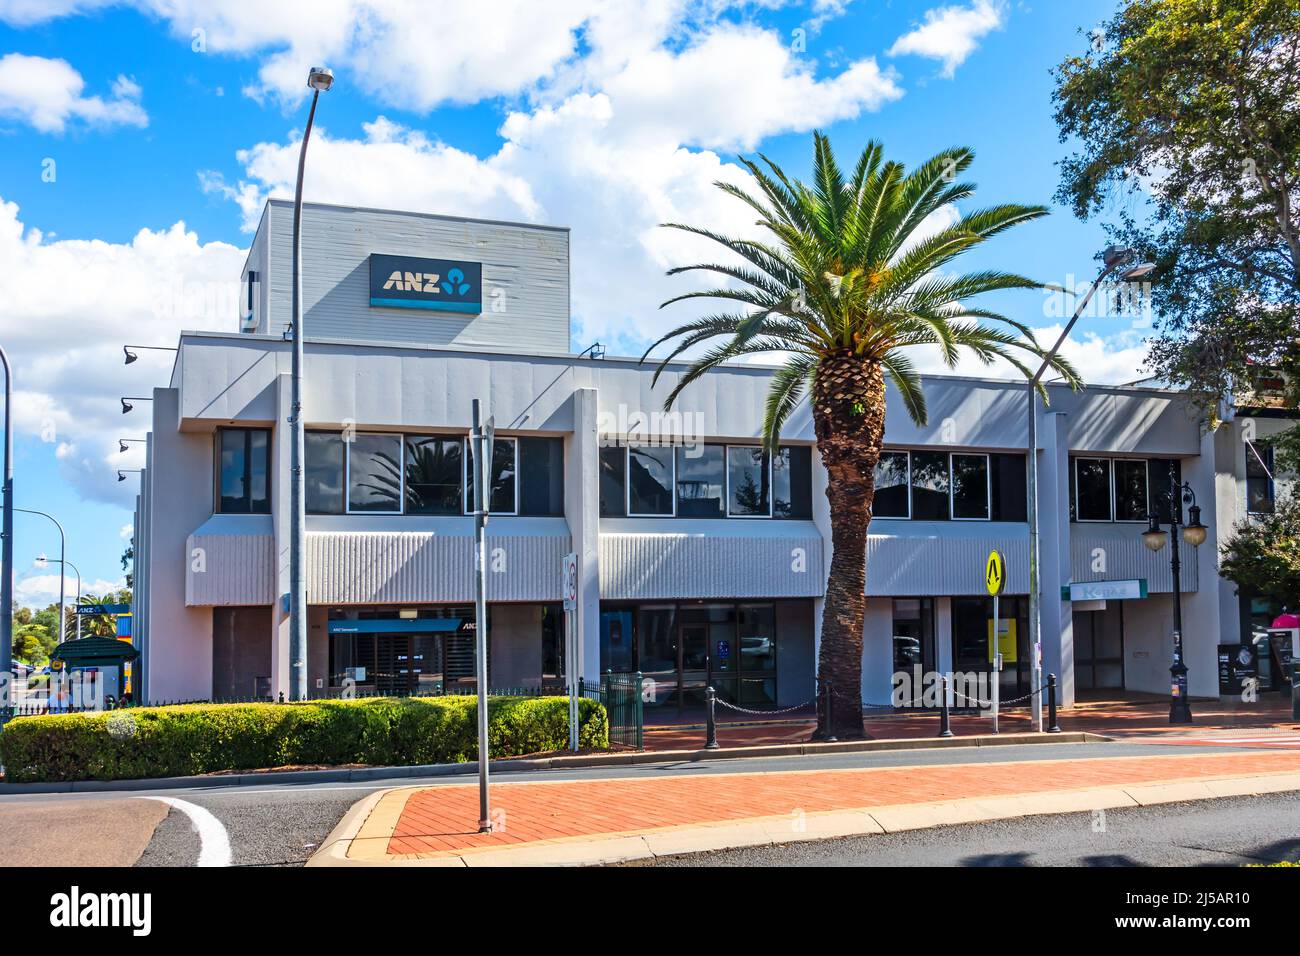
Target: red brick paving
{"type": "Point", "coordinates": [443, 818]}
{"type": "Point", "coordinates": [1111, 720]}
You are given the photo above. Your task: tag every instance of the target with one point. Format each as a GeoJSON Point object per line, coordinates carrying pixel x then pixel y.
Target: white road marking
{"type": "Point", "coordinates": [214, 843]}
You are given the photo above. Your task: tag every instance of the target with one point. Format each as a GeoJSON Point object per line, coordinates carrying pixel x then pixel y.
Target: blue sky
{"type": "Point", "coordinates": [139, 139]}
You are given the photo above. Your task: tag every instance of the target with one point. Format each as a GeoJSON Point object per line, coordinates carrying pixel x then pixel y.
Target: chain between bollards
{"type": "Point", "coordinates": [945, 728]}
{"type": "Point", "coordinates": [711, 698]}
{"type": "Point", "coordinates": [1052, 726]}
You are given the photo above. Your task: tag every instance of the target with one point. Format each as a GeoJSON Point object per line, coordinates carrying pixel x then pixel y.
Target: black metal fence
{"type": "Point", "coordinates": [624, 707]}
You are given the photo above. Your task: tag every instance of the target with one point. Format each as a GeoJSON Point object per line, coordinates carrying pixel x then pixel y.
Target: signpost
{"type": "Point", "coordinates": [481, 442]}
{"type": "Point", "coordinates": [995, 580]}
{"type": "Point", "coordinates": [570, 584]}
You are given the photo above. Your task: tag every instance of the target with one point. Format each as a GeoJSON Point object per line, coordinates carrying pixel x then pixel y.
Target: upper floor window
{"type": "Point", "coordinates": [243, 470]}
{"type": "Point", "coordinates": [705, 481]}
{"type": "Point", "coordinates": [387, 473]}
{"type": "Point", "coordinates": [1259, 478]}
{"type": "Point", "coordinates": [944, 486]}
{"type": "Point", "coordinates": [1120, 489]}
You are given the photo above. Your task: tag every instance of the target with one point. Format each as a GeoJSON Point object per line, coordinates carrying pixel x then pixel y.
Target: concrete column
{"type": "Point", "coordinates": [281, 438]}
{"type": "Point", "coordinates": [582, 511]}
{"type": "Point", "coordinates": [1054, 551]}
{"type": "Point", "coordinates": [1210, 612]}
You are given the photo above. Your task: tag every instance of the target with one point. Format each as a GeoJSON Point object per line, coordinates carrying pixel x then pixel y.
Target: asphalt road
{"type": "Point", "coordinates": [1227, 832]}
{"type": "Point", "coordinates": [280, 824]}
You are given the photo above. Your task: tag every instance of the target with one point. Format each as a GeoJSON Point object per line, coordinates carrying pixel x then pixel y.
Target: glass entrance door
{"type": "Point", "coordinates": [694, 648]}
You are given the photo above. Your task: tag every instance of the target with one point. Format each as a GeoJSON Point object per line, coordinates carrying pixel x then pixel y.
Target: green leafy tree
{"type": "Point", "coordinates": [1185, 118]}
{"type": "Point", "coordinates": [1263, 555]}
{"type": "Point", "coordinates": [843, 283]}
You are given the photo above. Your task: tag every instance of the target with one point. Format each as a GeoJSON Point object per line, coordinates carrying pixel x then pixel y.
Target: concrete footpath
{"type": "Point", "coordinates": [595, 821]}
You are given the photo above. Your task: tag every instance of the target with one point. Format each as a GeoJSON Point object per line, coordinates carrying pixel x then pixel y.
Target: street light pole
{"type": "Point", "coordinates": [63, 553]}
{"type": "Point", "coordinates": [62, 563]}
{"type": "Point", "coordinates": [319, 80]}
{"type": "Point", "coordinates": [481, 446]}
{"type": "Point", "coordinates": [7, 532]}
{"type": "Point", "coordinates": [1112, 259]}
{"type": "Point", "coordinates": [1194, 533]}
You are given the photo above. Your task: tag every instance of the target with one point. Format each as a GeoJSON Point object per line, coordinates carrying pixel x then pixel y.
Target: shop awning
{"type": "Point", "coordinates": [90, 651]}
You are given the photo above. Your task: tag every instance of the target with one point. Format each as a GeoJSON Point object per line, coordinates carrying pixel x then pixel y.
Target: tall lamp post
{"type": "Point", "coordinates": [63, 553]}
{"type": "Point", "coordinates": [1112, 258]}
{"type": "Point", "coordinates": [41, 562]}
{"type": "Point", "coordinates": [1180, 708]}
{"type": "Point", "coordinates": [7, 534]}
{"type": "Point", "coordinates": [319, 80]}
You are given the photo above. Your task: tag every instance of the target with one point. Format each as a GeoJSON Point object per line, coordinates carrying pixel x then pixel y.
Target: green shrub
{"type": "Point", "coordinates": [191, 739]}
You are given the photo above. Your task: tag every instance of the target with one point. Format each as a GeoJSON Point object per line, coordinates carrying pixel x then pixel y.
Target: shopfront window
{"type": "Point", "coordinates": [541, 465]}
{"type": "Point", "coordinates": [701, 480]}
{"type": "Point", "coordinates": [243, 456]}
{"type": "Point", "coordinates": [324, 456]}
{"type": "Point", "coordinates": [650, 481]}
{"type": "Point", "coordinates": [1092, 489]}
{"type": "Point", "coordinates": [893, 492]}
{"type": "Point", "coordinates": [613, 495]}
{"type": "Point", "coordinates": [1259, 478]}
{"type": "Point", "coordinates": [1131, 501]}
{"type": "Point", "coordinates": [930, 486]}
{"type": "Point", "coordinates": [914, 635]}
{"type": "Point", "coordinates": [501, 477]}
{"type": "Point", "coordinates": [792, 482]}
{"type": "Point", "coordinates": [970, 487]}
{"type": "Point", "coordinates": [748, 478]}
{"type": "Point", "coordinates": [434, 471]}
{"type": "Point", "coordinates": [375, 474]}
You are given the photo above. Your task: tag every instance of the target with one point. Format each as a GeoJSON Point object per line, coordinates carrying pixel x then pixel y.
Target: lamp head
{"type": "Point", "coordinates": [1114, 256]}
{"type": "Point", "coordinates": [1137, 271]}
{"type": "Point", "coordinates": [598, 351]}
{"type": "Point", "coordinates": [320, 79]}
{"type": "Point", "coordinates": [130, 356]}
{"type": "Point", "coordinates": [121, 446]}
{"type": "Point", "coordinates": [126, 406]}
{"type": "Point", "coordinates": [41, 561]}
{"type": "Point", "coordinates": [121, 476]}
{"type": "Point", "coordinates": [1153, 537]}
{"type": "Point", "coordinates": [1194, 532]}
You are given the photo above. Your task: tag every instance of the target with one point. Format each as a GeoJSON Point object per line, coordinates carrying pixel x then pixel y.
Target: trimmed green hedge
{"type": "Point", "coordinates": [201, 738]}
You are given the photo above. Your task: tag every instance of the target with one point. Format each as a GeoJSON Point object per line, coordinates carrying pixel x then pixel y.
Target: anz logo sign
{"type": "Point", "coordinates": [439, 285]}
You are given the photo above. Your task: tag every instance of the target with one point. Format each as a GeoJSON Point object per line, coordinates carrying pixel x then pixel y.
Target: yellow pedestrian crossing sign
{"type": "Point", "coordinates": [995, 573]}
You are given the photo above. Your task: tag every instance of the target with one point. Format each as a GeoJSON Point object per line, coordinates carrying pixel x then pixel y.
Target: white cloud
{"type": "Point", "coordinates": [951, 34]}
{"type": "Point", "coordinates": [41, 590]}
{"type": "Point", "coordinates": [47, 94]}
{"type": "Point", "coordinates": [71, 304]}
{"type": "Point", "coordinates": [1101, 361]}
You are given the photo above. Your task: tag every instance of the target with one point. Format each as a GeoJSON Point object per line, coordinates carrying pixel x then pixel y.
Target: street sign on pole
{"type": "Point", "coordinates": [995, 580]}
{"type": "Point", "coordinates": [481, 442]}
{"type": "Point", "coordinates": [570, 591]}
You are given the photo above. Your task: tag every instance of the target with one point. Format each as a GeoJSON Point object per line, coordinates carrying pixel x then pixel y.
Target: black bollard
{"type": "Point", "coordinates": [711, 699]}
{"type": "Point", "coordinates": [1052, 726]}
{"type": "Point", "coordinates": [830, 713]}
{"type": "Point", "coordinates": [945, 728]}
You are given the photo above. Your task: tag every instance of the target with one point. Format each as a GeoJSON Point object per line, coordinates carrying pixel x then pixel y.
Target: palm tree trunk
{"type": "Point", "coordinates": [848, 397]}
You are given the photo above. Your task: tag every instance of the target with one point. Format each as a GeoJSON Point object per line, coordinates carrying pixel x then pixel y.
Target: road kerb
{"type": "Point", "coordinates": [362, 836]}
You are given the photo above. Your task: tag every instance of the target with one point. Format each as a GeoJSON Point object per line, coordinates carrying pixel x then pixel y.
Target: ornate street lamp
{"type": "Point", "coordinates": [1194, 533]}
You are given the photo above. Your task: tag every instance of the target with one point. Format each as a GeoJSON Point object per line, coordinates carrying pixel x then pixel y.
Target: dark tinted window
{"type": "Point", "coordinates": [541, 475]}
{"type": "Point", "coordinates": [650, 480]}
{"type": "Point", "coordinates": [613, 500]}
{"type": "Point", "coordinates": [1010, 488]}
{"type": "Point", "coordinates": [434, 475]}
{"type": "Point", "coordinates": [970, 486]}
{"type": "Point", "coordinates": [502, 477]}
{"type": "Point", "coordinates": [1259, 486]}
{"type": "Point", "coordinates": [891, 486]}
{"type": "Point", "coordinates": [375, 473]}
{"type": "Point", "coordinates": [1158, 472]}
{"type": "Point", "coordinates": [1092, 489]}
{"type": "Point", "coordinates": [243, 466]}
{"type": "Point", "coordinates": [323, 473]}
{"type": "Point", "coordinates": [1131, 490]}
{"type": "Point", "coordinates": [792, 482]}
{"type": "Point", "coordinates": [701, 478]}
{"type": "Point", "coordinates": [930, 485]}
{"type": "Point", "coordinates": [748, 492]}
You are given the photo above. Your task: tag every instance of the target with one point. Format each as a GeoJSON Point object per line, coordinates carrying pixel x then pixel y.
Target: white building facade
{"type": "Point", "coordinates": [701, 560]}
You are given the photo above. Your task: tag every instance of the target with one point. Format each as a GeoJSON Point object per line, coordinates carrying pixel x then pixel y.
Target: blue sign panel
{"type": "Point", "coordinates": [103, 609]}
{"type": "Point", "coordinates": [440, 285]}
{"type": "Point", "coordinates": [424, 625]}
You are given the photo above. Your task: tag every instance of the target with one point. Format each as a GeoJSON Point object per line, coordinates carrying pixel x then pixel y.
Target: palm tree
{"type": "Point", "coordinates": [843, 281]}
